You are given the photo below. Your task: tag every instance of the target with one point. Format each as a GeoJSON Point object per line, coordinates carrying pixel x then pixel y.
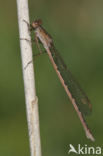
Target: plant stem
{"type": "Point", "coordinates": [29, 82]}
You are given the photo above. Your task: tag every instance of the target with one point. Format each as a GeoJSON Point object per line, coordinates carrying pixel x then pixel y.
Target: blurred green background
{"type": "Point", "coordinates": [77, 29]}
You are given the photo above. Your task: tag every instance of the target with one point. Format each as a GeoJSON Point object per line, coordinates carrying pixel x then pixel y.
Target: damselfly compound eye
{"type": "Point", "coordinates": [36, 23]}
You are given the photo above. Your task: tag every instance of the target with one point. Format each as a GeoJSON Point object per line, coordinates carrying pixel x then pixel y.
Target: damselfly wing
{"type": "Point", "coordinates": [73, 86]}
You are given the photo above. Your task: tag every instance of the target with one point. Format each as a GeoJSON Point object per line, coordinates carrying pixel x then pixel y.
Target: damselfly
{"type": "Point", "coordinates": [77, 96]}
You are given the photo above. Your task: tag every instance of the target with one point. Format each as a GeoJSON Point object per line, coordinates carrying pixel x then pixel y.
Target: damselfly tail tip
{"type": "Point", "coordinates": [90, 136]}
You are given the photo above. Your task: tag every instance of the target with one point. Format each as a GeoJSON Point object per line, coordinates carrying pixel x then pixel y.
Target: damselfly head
{"type": "Point", "coordinates": [36, 23]}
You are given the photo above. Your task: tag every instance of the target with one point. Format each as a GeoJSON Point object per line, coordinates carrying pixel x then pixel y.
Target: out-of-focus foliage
{"type": "Point", "coordinates": [77, 30]}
